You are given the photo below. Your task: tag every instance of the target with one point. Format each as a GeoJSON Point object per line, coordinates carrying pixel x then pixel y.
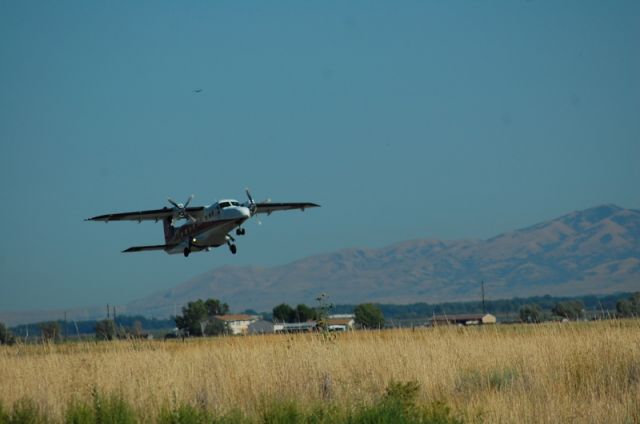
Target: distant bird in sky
{"type": "Point", "coordinates": [198, 90]}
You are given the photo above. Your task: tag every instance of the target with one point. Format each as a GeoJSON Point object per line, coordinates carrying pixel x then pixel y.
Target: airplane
{"type": "Point", "coordinates": [207, 227]}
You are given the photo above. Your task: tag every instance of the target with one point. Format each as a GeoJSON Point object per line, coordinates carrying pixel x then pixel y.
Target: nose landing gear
{"type": "Point", "coordinates": [240, 231]}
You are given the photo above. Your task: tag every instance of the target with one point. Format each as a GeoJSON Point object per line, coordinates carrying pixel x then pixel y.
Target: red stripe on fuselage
{"type": "Point", "coordinates": [190, 230]}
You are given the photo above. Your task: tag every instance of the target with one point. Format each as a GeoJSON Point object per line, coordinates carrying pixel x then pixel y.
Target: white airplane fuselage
{"type": "Point", "coordinates": [210, 230]}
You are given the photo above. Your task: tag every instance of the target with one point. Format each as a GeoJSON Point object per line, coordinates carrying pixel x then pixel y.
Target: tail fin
{"type": "Point", "coordinates": [169, 231]}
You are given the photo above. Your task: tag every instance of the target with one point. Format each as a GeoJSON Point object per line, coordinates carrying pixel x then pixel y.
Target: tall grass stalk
{"type": "Point", "coordinates": [580, 372]}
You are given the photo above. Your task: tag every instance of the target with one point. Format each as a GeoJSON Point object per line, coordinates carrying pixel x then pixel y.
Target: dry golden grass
{"type": "Point", "coordinates": [586, 372]}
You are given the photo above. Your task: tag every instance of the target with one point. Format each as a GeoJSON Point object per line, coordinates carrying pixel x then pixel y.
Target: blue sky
{"type": "Point", "coordinates": [402, 119]}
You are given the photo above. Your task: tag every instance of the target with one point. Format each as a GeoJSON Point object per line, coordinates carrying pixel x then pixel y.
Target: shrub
{"type": "Point", "coordinates": [4, 416]}
{"type": "Point", "coordinates": [5, 335]}
{"type": "Point", "coordinates": [112, 409]}
{"type": "Point", "coordinates": [403, 393]}
{"type": "Point", "coordinates": [531, 313]}
{"type": "Point", "coordinates": [185, 414]}
{"type": "Point", "coordinates": [438, 412]}
{"type": "Point", "coordinates": [282, 413]}
{"type": "Point", "coordinates": [79, 413]}
{"type": "Point", "coordinates": [398, 406]}
{"type": "Point", "coordinates": [26, 411]}
{"type": "Point", "coordinates": [368, 315]}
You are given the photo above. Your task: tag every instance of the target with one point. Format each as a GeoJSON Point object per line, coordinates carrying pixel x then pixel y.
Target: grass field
{"type": "Point", "coordinates": [578, 372]}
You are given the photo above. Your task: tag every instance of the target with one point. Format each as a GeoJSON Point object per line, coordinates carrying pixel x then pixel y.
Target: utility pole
{"type": "Point", "coordinates": [115, 324]}
{"type": "Point", "coordinates": [483, 309]}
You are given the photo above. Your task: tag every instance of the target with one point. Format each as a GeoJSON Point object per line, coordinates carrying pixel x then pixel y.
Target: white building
{"type": "Point", "coordinates": [341, 322]}
{"type": "Point", "coordinates": [237, 323]}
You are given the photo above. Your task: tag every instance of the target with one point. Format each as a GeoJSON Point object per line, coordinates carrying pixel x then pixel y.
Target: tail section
{"type": "Point", "coordinates": [169, 231]}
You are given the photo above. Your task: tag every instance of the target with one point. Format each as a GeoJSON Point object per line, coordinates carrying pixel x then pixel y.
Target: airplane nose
{"type": "Point", "coordinates": [246, 213]}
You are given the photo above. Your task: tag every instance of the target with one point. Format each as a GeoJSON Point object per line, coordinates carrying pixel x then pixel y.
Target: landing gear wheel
{"type": "Point", "coordinates": [186, 251]}
{"type": "Point", "coordinates": [233, 248]}
{"type": "Point", "coordinates": [240, 231]}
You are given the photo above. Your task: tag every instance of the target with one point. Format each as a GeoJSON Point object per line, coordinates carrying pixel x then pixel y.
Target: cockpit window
{"type": "Point", "coordinates": [226, 204]}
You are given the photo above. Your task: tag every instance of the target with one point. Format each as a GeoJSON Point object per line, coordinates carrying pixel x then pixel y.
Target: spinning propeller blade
{"type": "Point", "coordinates": [252, 204]}
{"type": "Point", "coordinates": [181, 209]}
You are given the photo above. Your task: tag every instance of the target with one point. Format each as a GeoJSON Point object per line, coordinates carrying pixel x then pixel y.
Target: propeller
{"type": "Point", "coordinates": [181, 209]}
{"type": "Point", "coordinates": [252, 204]}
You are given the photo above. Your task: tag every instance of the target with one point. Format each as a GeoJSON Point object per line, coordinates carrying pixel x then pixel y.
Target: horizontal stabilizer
{"type": "Point", "coordinates": [145, 248]}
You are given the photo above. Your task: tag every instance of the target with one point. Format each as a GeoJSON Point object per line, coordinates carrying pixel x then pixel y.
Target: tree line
{"type": "Point", "coordinates": [606, 304]}
{"type": "Point", "coordinates": [122, 326]}
{"type": "Point", "coordinates": [366, 315]}
{"type": "Point", "coordinates": [198, 317]}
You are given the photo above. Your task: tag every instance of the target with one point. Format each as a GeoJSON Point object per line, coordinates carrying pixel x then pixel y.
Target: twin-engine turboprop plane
{"type": "Point", "coordinates": [207, 226]}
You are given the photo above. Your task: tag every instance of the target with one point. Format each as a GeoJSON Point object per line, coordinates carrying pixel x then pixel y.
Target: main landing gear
{"type": "Point", "coordinates": [187, 249]}
{"type": "Point", "coordinates": [231, 245]}
{"type": "Point", "coordinates": [240, 231]}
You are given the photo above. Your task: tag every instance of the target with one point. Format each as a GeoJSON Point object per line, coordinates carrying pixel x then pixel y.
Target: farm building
{"type": "Point", "coordinates": [464, 319]}
{"type": "Point", "coordinates": [237, 323]}
{"type": "Point", "coordinates": [340, 322]}
{"type": "Point", "coordinates": [261, 327]}
{"type": "Point", "coordinates": [296, 327]}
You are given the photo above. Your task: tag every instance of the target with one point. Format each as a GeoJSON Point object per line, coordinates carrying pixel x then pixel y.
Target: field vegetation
{"type": "Point", "coordinates": [576, 372]}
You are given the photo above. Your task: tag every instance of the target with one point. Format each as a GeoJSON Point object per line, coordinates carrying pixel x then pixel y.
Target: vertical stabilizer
{"type": "Point", "coordinates": [169, 231]}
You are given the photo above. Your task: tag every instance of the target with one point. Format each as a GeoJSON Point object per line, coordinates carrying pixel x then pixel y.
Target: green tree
{"type": "Point", "coordinates": [530, 313]}
{"type": "Point", "coordinates": [283, 313]}
{"type": "Point", "coordinates": [624, 308]}
{"type": "Point", "coordinates": [5, 335]}
{"type": "Point", "coordinates": [570, 309]}
{"type": "Point", "coordinates": [629, 307]}
{"type": "Point", "coordinates": [105, 329]}
{"type": "Point", "coordinates": [50, 331]}
{"type": "Point", "coordinates": [198, 315]}
{"type": "Point", "coordinates": [194, 318]}
{"type": "Point", "coordinates": [369, 315]}
{"type": "Point", "coordinates": [215, 307]}
{"type": "Point", "coordinates": [215, 327]}
{"type": "Point", "coordinates": [303, 313]}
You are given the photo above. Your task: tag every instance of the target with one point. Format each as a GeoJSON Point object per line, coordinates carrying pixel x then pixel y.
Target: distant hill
{"type": "Point", "coordinates": [592, 251]}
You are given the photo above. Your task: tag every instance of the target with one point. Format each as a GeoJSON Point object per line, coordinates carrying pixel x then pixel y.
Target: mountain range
{"type": "Point", "coordinates": [591, 251]}
{"type": "Point", "coordinates": [594, 251]}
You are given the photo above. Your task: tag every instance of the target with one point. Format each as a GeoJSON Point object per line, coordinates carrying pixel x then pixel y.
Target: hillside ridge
{"type": "Point", "coordinates": [596, 250]}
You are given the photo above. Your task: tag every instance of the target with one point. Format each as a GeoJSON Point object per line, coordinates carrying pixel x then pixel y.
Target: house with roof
{"type": "Point", "coordinates": [237, 323]}
{"type": "Point", "coordinates": [463, 319]}
{"type": "Point", "coordinates": [341, 322]}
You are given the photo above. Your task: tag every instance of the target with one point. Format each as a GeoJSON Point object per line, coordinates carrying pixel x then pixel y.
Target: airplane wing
{"type": "Point", "coordinates": [269, 207]}
{"type": "Point", "coordinates": [148, 215]}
